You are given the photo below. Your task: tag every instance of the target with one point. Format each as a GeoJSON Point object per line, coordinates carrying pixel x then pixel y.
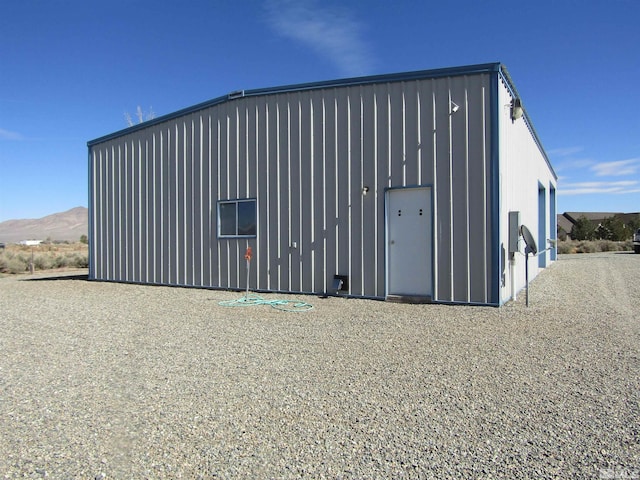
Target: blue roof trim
{"type": "Point", "coordinates": [495, 67]}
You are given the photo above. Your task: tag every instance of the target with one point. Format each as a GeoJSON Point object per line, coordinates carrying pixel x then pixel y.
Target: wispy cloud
{"type": "Point", "coordinates": [8, 135]}
{"type": "Point", "coordinates": [618, 168]}
{"type": "Point", "coordinates": [585, 188]}
{"type": "Point", "coordinates": [330, 31]}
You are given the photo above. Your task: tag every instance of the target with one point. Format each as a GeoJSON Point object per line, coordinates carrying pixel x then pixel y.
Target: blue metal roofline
{"type": "Point", "coordinates": [495, 67]}
{"type": "Point", "coordinates": [385, 78]}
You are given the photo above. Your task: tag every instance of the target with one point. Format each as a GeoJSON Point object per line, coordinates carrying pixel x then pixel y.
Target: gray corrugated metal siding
{"type": "Point", "coordinates": [305, 156]}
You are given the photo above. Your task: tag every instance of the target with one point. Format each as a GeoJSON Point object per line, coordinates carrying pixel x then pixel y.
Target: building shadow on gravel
{"type": "Point", "coordinates": [81, 277]}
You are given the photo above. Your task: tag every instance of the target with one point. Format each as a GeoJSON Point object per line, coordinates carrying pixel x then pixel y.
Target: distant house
{"type": "Point", "coordinates": [567, 220]}
{"type": "Point", "coordinates": [30, 243]}
{"type": "Point", "coordinates": [406, 186]}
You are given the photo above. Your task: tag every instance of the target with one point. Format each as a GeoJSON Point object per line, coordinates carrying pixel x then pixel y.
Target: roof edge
{"type": "Point", "coordinates": [495, 67]}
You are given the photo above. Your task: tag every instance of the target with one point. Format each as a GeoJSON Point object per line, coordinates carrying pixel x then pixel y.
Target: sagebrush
{"type": "Point", "coordinates": [16, 259]}
{"type": "Point", "coordinates": [593, 246]}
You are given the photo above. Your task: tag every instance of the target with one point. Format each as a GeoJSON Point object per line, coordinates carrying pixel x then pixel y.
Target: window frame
{"type": "Point", "coordinates": [236, 202]}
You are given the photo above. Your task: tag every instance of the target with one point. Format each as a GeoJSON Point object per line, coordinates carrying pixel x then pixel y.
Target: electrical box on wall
{"type": "Point", "coordinates": [514, 231]}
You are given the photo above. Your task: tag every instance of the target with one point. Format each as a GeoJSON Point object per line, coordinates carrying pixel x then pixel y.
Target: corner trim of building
{"type": "Point", "coordinates": [494, 292]}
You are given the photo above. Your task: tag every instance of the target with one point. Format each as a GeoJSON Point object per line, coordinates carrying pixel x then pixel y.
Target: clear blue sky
{"type": "Point", "coordinates": [69, 70]}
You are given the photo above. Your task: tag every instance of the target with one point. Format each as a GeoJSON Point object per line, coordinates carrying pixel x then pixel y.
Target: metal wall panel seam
{"type": "Point", "coordinates": [105, 199]}
{"type": "Point", "coordinates": [434, 162]}
{"type": "Point", "coordinates": [99, 219]}
{"type": "Point", "coordinates": [311, 171]}
{"type": "Point", "coordinates": [324, 193]}
{"type": "Point", "coordinates": [336, 175]}
{"type": "Point", "coordinates": [160, 248]}
{"type": "Point", "coordinates": [158, 200]}
{"type": "Point", "coordinates": [120, 216]}
{"type": "Point", "coordinates": [237, 153]}
{"type": "Point", "coordinates": [451, 212]}
{"type": "Point", "coordinates": [362, 167]}
{"type": "Point", "coordinates": [133, 232]}
{"type": "Point", "coordinates": [201, 198]}
{"type": "Point", "coordinates": [129, 208]}
{"type": "Point", "coordinates": [258, 190]}
{"type": "Point", "coordinates": [467, 182]}
{"type": "Point", "coordinates": [419, 134]}
{"type": "Point", "coordinates": [289, 199]}
{"type": "Point", "coordinates": [124, 233]}
{"type": "Point", "coordinates": [111, 232]}
{"type": "Point", "coordinates": [96, 215]}
{"type": "Point", "coordinates": [215, 226]}
{"type": "Point", "coordinates": [192, 226]}
{"type": "Point", "coordinates": [390, 114]}
{"type": "Point", "coordinates": [181, 224]}
{"type": "Point", "coordinates": [484, 193]}
{"type": "Point", "coordinates": [404, 138]}
{"type": "Point", "coordinates": [136, 232]}
{"type": "Point", "coordinates": [96, 212]}
{"type": "Point", "coordinates": [210, 204]}
{"type": "Point", "coordinates": [375, 190]}
{"type": "Point", "coordinates": [278, 246]}
{"type": "Point", "coordinates": [107, 233]}
{"type": "Point", "coordinates": [142, 226]}
{"type": "Point", "coordinates": [228, 194]}
{"type": "Point", "coordinates": [268, 194]}
{"type": "Point", "coordinates": [301, 247]}
{"type": "Point", "coordinates": [363, 162]}
{"type": "Point", "coordinates": [117, 216]}
{"type": "Point", "coordinates": [150, 205]}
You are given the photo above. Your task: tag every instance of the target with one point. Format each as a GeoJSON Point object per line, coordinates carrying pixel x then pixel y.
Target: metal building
{"type": "Point", "coordinates": [400, 186]}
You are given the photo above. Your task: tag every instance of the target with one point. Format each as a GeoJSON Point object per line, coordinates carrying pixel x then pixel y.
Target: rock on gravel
{"type": "Point", "coordinates": [104, 380]}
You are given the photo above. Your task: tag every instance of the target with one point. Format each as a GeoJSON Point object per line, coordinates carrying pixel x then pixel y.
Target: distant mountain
{"type": "Point", "coordinates": [69, 225]}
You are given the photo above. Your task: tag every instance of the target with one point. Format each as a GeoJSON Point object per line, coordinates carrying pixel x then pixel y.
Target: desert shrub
{"type": "Point", "coordinates": [13, 264]}
{"type": "Point", "coordinates": [60, 261]}
{"type": "Point", "coordinates": [607, 246]}
{"type": "Point", "coordinates": [586, 247]}
{"type": "Point", "coordinates": [16, 258]}
{"type": "Point", "coordinates": [592, 246]}
{"type": "Point", "coordinates": [78, 261]}
{"type": "Point", "coordinates": [566, 247]}
{"type": "Point", "coordinates": [42, 262]}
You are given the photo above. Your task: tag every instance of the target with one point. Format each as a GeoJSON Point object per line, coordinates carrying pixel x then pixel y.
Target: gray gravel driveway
{"type": "Point", "coordinates": [112, 381]}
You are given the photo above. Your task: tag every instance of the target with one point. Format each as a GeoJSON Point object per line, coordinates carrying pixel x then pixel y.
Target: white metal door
{"type": "Point", "coordinates": [409, 242]}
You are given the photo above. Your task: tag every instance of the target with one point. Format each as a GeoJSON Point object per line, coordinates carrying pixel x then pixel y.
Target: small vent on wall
{"type": "Point", "coordinates": [341, 283]}
{"type": "Point", "coordinates": [236, 94]}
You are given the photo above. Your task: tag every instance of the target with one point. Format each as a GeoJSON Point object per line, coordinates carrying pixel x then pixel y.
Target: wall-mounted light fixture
{"type": "Point", "coordinates": [453, 106]}
{"type": "Point", "coordinates": [516, 109]}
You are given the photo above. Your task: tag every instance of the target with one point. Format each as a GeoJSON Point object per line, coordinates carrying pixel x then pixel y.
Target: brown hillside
{"type": "Point", "coordinates": [64, 226]}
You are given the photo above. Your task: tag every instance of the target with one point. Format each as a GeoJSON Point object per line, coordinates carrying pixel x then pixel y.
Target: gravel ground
{"type": "Point", "coordinates": [112, 381]}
